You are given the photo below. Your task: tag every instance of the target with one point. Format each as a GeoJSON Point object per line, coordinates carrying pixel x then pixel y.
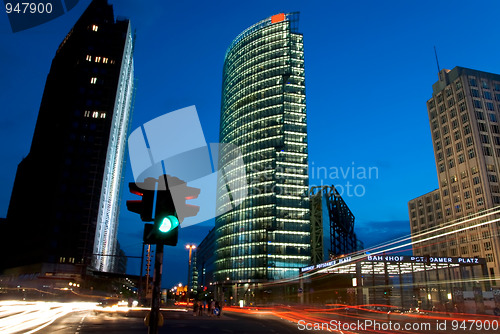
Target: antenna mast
{"type": "Point", "coordinates": [437, 61]}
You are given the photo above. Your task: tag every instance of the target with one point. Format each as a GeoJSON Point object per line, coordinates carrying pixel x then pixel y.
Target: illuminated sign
{"type": "Point", "coordinates": [327, 264]}
{"type": "Point", "coordinates": [277, 18]}
{"type": "Point", "coordinates": [400, 259]}
{"type": "Point", "coordinates": [423, 259]}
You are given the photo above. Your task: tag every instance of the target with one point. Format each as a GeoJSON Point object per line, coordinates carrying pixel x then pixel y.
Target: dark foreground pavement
{"type": "Point", "coordinates": [176, 322]}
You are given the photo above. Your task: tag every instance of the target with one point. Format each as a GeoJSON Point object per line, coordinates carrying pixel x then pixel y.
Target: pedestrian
{"type": "Point", "coordinates": [200, 308]}
{"type": "Point", "coordinates": [218, 307]}
{"type": "Point", "coordinates": [212, 307]}
{"type": "Point", "coordinates": [195, 308]}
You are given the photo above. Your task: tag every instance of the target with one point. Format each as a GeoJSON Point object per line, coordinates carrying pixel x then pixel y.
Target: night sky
{"type": "Point", "coordinates": [370, 66]}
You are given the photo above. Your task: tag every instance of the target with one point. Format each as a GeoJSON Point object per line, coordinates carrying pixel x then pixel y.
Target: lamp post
{"type": "Point", "coordinates": [190, 247]}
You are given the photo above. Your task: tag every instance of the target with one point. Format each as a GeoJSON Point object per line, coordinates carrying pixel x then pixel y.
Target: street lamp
{"type": "Point", "coordinates": [190, 247]}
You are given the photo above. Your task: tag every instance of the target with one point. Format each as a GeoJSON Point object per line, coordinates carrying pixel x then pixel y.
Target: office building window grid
{"type": "Point", "coordinates": [264, 114]}
{"type": "Point", "coordinates": [463, 116]}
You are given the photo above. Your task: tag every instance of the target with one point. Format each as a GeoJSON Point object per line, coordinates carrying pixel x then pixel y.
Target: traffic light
{"type": "Point", "coordinates": [180, 194]}
{"type": "Point", "coordinates": [166, 223]}
{"type": "Point", "coordinates": [144, 207]}
{"type": "Point", "coordinates": [171, 208]}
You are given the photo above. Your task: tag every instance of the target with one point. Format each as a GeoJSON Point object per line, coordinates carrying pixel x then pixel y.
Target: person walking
{"type": "Point", "coordinates": [212, 307]}
{"type": "Point", "coordinates": [195, 308]}
{"type": "Point", "coordinates": [200, 308]}
{"type": "Point", "coordinates": [217, 308]}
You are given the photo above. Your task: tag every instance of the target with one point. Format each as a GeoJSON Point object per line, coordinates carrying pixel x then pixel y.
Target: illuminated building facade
{"type": "Point", "coordinates": [460, 218]}
{"type": "Point", "coordinates": [263, 112]}
{"type": "Point", "coordinates": [72, 175]}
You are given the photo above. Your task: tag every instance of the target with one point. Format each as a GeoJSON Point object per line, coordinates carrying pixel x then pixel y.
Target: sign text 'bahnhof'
{"type": "Point", "coordinates": [398, 259]}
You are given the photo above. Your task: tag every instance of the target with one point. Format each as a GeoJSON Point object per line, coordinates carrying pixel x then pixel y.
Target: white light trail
{"type": "Point", "coordinates": [30, 317]}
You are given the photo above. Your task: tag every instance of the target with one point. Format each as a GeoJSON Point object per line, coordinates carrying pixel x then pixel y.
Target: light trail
{"type": "Point", "coordinates": [30, 317]}
{"type": "Point", "coordinates": [399, 243]}
{"type": "Point", "coordinates": [329, 319]}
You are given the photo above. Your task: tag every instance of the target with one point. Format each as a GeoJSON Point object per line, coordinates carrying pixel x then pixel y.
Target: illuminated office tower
{"type": "Point", "coordinates": [65, 200]}
{"type": "Point", "coordinates": [464, 115]}
{"type": "Point", "coordinates": [263, 112]}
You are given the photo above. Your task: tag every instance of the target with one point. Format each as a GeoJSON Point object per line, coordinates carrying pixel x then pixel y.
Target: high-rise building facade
{"type": "Point", "coordinates": [66, 192]}
{"type": "Point", "coordinates": [459, 218]}
{"type": "Point", "coordinates": [263, 113]}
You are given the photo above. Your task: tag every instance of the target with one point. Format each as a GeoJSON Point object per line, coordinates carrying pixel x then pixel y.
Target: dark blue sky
{"type": "Point", "coordinates": [370, 67]}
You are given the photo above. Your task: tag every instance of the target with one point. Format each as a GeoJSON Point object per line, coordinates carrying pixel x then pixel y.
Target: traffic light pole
{"type": "Point", "coordinates": [155, 300]}
{"type": "Point", "coordinates": [164, 231]}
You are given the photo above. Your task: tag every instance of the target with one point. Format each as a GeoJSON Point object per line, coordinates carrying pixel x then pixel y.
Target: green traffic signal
{"type": "Point", "coordinates": [169, 212]}
{"type": "Point", "coordinates": [168, 223]}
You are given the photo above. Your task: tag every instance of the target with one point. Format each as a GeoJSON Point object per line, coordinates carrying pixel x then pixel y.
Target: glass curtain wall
{"type": "Point", "coordinates": [263, 113]}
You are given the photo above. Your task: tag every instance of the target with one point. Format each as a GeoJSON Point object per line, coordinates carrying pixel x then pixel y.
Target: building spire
{"type": "Point", "coordinates": [437, 61]}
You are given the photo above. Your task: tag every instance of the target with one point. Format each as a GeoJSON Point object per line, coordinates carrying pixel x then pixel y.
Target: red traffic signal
{"type": "Point", "coordinates": [180, 194]}
{"type": "Point", "coordinates": [144, 206]}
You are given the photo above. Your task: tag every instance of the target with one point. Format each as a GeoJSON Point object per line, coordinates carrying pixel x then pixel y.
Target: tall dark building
{"type": "Point", "coordinates": [263, 112]}
{"type": "Point", "coordinates": [65, 200]}
{"type": "Point", "coordinates": [205, 259]}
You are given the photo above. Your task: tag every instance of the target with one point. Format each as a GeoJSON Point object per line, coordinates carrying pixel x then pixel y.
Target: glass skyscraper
{"type": "Point", "coordinates": [263, 113]}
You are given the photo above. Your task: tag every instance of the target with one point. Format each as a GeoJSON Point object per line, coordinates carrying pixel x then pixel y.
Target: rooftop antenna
{"type": "Point", "coordinates": [437, 61]}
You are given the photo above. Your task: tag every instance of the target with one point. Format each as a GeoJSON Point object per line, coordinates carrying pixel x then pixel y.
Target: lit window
{"type": "Point", "coordinates": [95, 114]}
{"type": "Point", "coordinates": [88, 58]}
{"type": "Point", "coordinates": [97, 59]}
{"type": "Point", "coordinates": [87, 113]}
{"type": "Point", "coordinates": [93, 80]}
{"type": "Point", "coordinates": [103, 115]}
{"type": "Point", "coordinates": [105, 60]}
{"type": "Point", "coordinates": [94, 27]}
